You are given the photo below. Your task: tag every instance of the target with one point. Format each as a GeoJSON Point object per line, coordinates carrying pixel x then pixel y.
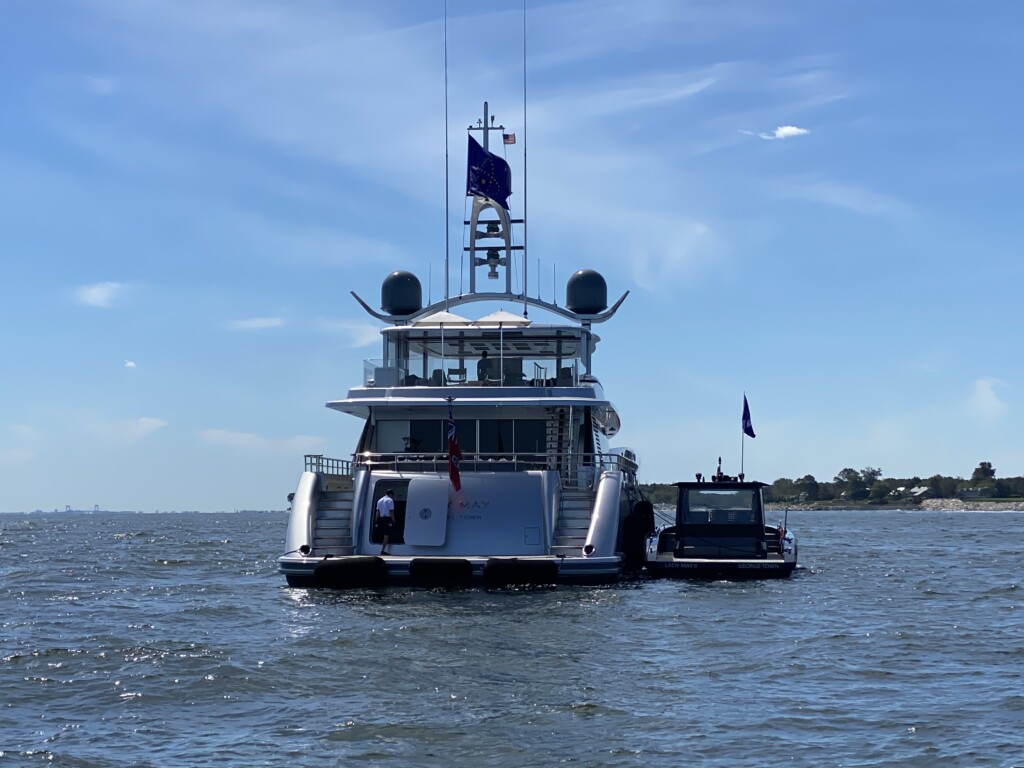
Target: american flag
{"type": "Point", "coordinates": [454, 452]}
{"type": "Point", "coordinates": [508, 138]}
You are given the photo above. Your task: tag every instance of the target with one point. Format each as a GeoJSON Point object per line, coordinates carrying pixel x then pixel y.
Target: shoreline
{"type": "Point", "coordinates": [931, 505]}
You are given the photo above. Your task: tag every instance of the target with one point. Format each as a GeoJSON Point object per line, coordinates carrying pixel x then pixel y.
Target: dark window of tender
{"type": "Point", "coordinates": [719, 506]}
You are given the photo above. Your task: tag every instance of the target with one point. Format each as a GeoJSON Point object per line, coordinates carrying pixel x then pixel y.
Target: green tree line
{"type": "Point", "coordinates": [868, 485]}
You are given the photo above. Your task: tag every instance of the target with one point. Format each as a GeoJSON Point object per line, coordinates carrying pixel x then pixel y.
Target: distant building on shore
{"type": "Point", "coordinates": [985, 492]}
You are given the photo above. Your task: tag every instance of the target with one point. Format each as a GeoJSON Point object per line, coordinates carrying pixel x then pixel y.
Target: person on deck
{"type": "Point", "coordinates": [483, 368]}
{"type": "Point", "coordinates": [386, 518]}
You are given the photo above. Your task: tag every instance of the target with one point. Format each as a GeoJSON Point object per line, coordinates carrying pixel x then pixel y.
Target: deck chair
{"type": "Point", "coordinates": [456, 375]}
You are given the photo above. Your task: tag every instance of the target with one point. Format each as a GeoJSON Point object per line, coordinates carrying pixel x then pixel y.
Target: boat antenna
{"type": "Point", "coordinates": [526, 251]}
{"type": "Point", "coordinates": [447, 202]}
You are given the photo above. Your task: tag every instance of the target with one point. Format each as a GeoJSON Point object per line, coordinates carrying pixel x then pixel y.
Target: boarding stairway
{"type": "Point", "coordinates": [332, 527]}
{"type": "Point", "coordinates": [573, 522]}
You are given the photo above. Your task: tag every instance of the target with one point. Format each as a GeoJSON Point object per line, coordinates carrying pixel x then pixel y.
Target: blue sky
{"type": "Point", "coordinates": [814, 202]}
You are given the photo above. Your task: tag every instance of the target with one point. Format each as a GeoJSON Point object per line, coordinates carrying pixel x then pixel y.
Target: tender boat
{"type": "Point", "coordinates": [720, 533]}
{"type": "Point", "coordinates": [491, 432]}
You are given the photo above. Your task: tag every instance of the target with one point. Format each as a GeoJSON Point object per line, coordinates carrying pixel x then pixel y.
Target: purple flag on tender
{"type": "Point", "coordinates": [748, 428]}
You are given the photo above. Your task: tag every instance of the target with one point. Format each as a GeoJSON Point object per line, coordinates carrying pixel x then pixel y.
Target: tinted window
{"type": "Point", "coordinates": [428, 436]}
{"type": "Point", "coordinates": [496, 436]}
{"type": "Point", "coordinates": [720, 506]}
{"type": "Point", "coordinates": [531, 436]}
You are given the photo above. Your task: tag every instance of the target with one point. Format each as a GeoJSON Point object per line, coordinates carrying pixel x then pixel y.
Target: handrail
{"type": "Point", "coordinates": [317, 462]}
{"type": "Point", "coordinates": [581, 469]}
{"type": "Point", "coordinates": [377, 374]}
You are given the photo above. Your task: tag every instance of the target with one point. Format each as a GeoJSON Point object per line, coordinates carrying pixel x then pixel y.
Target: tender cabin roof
{"type": "Point", "coordinates": [724, 485]}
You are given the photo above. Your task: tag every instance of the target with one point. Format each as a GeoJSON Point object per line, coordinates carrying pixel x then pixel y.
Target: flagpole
{"type": "Point", "coordinates": [743, 440]}
{"type": "Point", "coordinates": [447, 213]}
{"type": "Point", "coordinates": [526, 240]}
{"type": "Point", "coordinates": [743, 444]}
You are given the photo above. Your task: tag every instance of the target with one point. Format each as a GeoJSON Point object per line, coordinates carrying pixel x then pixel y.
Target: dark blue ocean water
{"type": "Point", "coordinates": [170, 640]}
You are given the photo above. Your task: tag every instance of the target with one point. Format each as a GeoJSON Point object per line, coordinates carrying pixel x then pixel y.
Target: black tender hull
{"type": "Point", "coordinates": [678, 568]}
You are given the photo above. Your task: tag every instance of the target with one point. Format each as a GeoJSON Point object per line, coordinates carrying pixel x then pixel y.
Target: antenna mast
{"type": "Point", "coordinates": [485, 126]}
{"type": "Point", "coordinates": [526, 285]}
{"type": "Point", "coordinates": [447, 201]}
{"type": "Point", "coordinates": [499, 228]}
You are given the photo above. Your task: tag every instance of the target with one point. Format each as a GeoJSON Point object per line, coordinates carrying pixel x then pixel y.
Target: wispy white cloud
{"type": "Point", "coordinates": [640, 217]}
{"type": "Point", "coordinates": [294, 242]}
{"type": "Point", "coordinates": [25, 432]}
{"type": "Point", "coordinates": [16, 455]}
{"type": "Point", "coordinates": [279, 76]}
{"type": "Point", "coordinates": [130, 364]}
{"type": "Point", "coordinates": [252, 441]}
{"type": "Point", "coordinates": [256, 323]}
{"type": "Point", "coordinates": [359, 334]}
{"type": "Point", "coordinates": [984, 403]}
{"type": "Point", "coordinates": [125, 430]}
{"type": "Point", "coordinates": [657, 260]}
{"type": "Point", "coordinates": [783, 132]}
{"type": "Point", "coordinates": [100, 86]}
{"type": "Point", "coordinates": [98, 294]}
{"type": "Point", "coordinates": [852, 198]}
{"type": "Point", "coordinates": [22, 444]}
{"type": "Point", "coordinates": [635, 94]}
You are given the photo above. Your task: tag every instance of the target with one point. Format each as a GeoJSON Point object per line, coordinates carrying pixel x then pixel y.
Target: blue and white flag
{"type": "Point", "coordinates": [748, 427]}
{"type": "Point", "coordinates": [488, 175]}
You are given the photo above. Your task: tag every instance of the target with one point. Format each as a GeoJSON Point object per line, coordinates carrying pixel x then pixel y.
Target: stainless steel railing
{"type": "Point", "coordinates": [316, 462]}
{"type": "Point", "coordinates": [577, 470]}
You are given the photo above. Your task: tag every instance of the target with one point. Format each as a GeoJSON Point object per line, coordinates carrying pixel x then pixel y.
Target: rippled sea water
{"type": "Point", "coordinates": [170, 640]}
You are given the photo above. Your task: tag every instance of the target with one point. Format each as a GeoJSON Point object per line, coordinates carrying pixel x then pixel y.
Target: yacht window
{"type": "Point", "coordinates": [720, 506]}
{"type": "Point", "coordinates": [366, 438]}
{"type": "Point", "coordinates": [392, 436]}
{"type": "Point", "coordinates": [531, 436]}
{"type": "Point", "coordinates": [496, 436]}
{"type": "Point", "coordinates": [466, 431]}
{"type": "Point", "coordinates": [428, 436]}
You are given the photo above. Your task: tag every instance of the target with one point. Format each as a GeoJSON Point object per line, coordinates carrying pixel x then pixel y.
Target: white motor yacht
{"type": "Point", "coordinates": [491, 432]}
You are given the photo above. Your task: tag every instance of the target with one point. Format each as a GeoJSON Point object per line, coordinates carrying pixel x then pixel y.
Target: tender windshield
{"type": "Point", "coordinates": [720, 506]}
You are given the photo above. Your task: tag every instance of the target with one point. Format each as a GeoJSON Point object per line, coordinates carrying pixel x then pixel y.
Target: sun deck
{"type": "Point", "coordinates": [444, 349]}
